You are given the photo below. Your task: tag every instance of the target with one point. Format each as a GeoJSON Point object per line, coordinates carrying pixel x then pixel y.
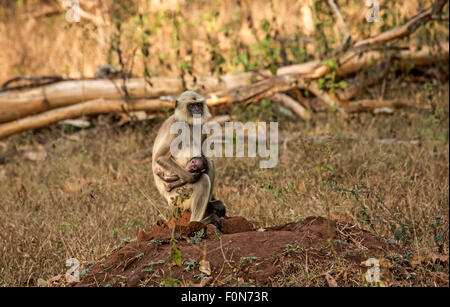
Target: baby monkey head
{"type": "Point", "coordinates": [197, 165]}
{"type": "Point", "coordinates": [191, 104]}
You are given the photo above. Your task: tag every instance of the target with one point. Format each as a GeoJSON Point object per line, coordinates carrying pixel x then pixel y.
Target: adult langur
{"type": "Point", "coordinates": [197, 194]}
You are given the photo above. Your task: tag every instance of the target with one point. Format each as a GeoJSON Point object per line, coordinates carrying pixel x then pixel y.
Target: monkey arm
{"type": "Point", "coordinates": [174, 185]}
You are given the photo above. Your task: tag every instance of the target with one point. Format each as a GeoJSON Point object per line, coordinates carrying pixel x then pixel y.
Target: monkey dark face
{"type": "Point", "coordinates": [195, 108]}
{"type": "Point", "coordinates": [189, 105]}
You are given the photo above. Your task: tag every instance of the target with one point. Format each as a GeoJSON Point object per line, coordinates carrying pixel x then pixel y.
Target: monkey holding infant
{"type": "Point", "coordinates": [186, 181]}
{"type": "Point", "coordinates": [195, 165]}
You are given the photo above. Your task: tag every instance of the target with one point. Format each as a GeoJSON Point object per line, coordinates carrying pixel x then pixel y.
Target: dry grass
{"type": "Point", "coordinates": [95, 187]}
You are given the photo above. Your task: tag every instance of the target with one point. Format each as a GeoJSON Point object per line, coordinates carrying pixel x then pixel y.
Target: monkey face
{"type": "Point", "coordinates": [190, 104]}
{"type": "Point", "coordinates": [195, 108]}
{"type": "Point", "coordinates": [197, 164]}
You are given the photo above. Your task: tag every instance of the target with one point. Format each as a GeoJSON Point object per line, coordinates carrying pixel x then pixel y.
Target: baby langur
{"type": "Point", "coordinates": [195, 165]}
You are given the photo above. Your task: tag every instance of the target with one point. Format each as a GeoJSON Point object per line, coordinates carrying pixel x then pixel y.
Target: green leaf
{"type": "Point", "coordinates": [321, 83]}
{"type": "Point", "coordinates": [265, 25]}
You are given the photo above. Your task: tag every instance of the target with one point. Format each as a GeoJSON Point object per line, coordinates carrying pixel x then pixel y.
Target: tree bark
{"type": "Point", "coordinates": [92, 107]}
{"type": "Point", "coordinates": [17, 104]}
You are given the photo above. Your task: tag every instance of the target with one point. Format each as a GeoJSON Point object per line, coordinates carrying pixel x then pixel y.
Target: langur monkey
{"type": "Point", "coordinates": [196, 192]}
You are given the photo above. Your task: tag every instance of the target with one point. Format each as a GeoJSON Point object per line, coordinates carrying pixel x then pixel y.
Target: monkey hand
{"type": "Point", "coordinates": [159, 172]}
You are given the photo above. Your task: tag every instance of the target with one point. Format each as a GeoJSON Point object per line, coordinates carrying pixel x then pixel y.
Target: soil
{"type": "Point", "coordinates": [295, 254]}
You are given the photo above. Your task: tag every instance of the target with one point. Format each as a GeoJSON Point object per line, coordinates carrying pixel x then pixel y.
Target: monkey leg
{"type": "Point", "coordinates": [200, 198]}
{"type": "Point", "coordinates": [211, 173]}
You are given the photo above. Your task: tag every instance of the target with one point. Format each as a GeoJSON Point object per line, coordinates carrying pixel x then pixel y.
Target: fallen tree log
{"type": "Point", "coordinates": [14, 105]}
{"type": "Point", "coordinates": [361, 61]}
{"type": "Point", "coordinates": [92, 107]}
{"type": "Point", "coordinates": [406, 58]}
{"type": "Point", "coordinates": [251, 92]}
{"type": "Point", "coordinates": [17, 104]}
{"type": "Point", "coordinates": [98, 106]}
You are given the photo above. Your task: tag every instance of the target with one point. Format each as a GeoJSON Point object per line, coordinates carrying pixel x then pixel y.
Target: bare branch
{"type": "Point", "coordinates": [291, 104]}
{"type": "Point", "coordinates": [346, 40]}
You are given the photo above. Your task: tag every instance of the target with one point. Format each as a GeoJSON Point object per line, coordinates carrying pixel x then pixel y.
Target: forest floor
{"type": "Point", "coordinates": [346, 189]}
{"type": "Point", "coordinates": [313, 252]}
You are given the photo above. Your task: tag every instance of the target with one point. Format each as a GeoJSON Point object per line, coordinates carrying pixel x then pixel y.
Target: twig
{"type": "Point", "coordinates": [407, 28]}
{"type": "Point", "coordinates": [372, 105]}
{"type": "Point", "coordinates": [347, 38]}
{"type": "Point", "coordinates": [322, 95]}
{"type": "Point", "coordinates": [292, 104]}
{"type": "Point", "coordinates": [33, 82]}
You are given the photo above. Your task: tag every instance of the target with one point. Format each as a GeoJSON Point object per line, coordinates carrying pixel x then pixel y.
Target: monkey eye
{"type": "Point", "coordinates": [176, 103]}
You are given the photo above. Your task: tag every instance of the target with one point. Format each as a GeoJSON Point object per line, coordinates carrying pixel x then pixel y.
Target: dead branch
{"type": "Point", "coordinates": [408, 28]}
{"type": "Point", "coordinates": [303, 68]}
{"type": "Point", "coordinates": [359, 82]}
{"type": "Point", "coordinates": [292, 104]}
{"type": "Point", "coordinates": [17, 104]}
{"type": "Point", "coordinates": [346, 40]}
{"type": "Point", "coordinates": [92, 107]}
{"type": "Point", "coordinates": [372, 105]}
{"type": "Point", "coordinates": [350, 58]}
{"type": "Point", "coordinates": [406, 58]}
{"type": "Point", "coordinates": [32, 82]}
{"type": "Point", "coordinates": [258, 90]}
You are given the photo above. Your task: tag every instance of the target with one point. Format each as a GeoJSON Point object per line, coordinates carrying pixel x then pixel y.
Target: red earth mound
{"type": "Point", "coordinates": [311, 252]}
